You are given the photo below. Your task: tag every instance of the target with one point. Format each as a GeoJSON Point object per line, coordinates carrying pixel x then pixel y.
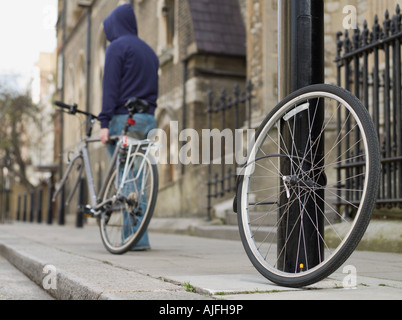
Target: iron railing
{"type": "Point", "coordinates": [369, 65]}
{"type": "Point", "coordinates": [229, 111]}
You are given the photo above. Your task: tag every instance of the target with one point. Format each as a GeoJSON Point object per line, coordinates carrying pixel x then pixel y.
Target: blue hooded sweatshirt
{"type": "Point", "coordinates": [131, 66]}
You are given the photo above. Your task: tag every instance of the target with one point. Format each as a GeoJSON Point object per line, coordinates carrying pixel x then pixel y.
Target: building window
{"type": "Point", "coordinates": [168, 12]}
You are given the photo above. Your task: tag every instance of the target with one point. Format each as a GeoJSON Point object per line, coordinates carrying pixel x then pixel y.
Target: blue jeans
{"type": "Point", "coordinates": [144, 123]}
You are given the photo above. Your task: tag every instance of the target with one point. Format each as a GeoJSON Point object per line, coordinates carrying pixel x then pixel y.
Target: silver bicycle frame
{"type": "Point", "coordinates": [82, 155]}
{"type": "Point", "coordinates": [133, 145]}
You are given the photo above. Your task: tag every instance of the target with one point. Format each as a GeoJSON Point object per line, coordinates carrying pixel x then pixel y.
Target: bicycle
{"type": "Point", "coordinates": [306, 195]}
{"type": "Point", "coordinates": [126, 201]}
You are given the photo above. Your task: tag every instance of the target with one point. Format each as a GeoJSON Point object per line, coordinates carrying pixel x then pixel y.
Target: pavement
{"type": "Point", "coordinates": [14, 285]}
{"type": "Point", "coordinates": [71, 264]}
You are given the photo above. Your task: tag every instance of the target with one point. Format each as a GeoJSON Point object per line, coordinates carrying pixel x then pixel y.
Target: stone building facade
{"type": "Point", "coordinates": [202, 45]}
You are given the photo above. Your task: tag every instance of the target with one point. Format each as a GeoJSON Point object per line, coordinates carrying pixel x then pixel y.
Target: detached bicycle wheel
{"type": "Point", "coordinates": [308, 190]}
{"type": "Point", "coordinates": [125, 221]}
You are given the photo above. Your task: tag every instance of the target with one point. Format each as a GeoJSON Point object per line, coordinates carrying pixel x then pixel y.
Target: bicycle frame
{"type": "Point", "coordinates": [83, 155]}
{"type": "Point", "coordinates": [96, 203]}
{"type": "Point", "coordinates": [132, 143]}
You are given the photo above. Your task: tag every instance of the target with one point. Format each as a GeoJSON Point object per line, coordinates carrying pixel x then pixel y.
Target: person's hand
{"type": "Point", "coordinates": [104, 136]}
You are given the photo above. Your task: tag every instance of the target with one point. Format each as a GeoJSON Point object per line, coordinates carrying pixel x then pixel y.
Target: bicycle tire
{"type": "Point", "coordinates": [266, 245]}
{"type": "Point", "coordinates": [114, 236]}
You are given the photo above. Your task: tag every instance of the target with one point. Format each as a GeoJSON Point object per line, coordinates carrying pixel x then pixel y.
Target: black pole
{"type": "Point", "coordinates": [19, 208]}
{"type": "Point", "coordinates": [301, 63]}
{"type": "Point", "coordinates": [50, 204]}
{"type": "Point", "coordinates": [32, 207]}
{"type": "Point", "coordinates": [40, 205]}
{"type": "Point", "coordinates": [80, 212]}
{"type": "Point", "coordinates": [61, 141]}
{"type": "Point", "coordinates": [301, 44]}
{"type": "Point", "coordinates": [24, 215]}
{"type": "Point", "coordinates": [89, 40]}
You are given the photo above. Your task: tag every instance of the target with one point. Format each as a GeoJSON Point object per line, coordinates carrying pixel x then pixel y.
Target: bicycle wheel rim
{"type": "Point", "coordinates": [333, 257]}
{"type": "Point", "coordinates": [120, 230]}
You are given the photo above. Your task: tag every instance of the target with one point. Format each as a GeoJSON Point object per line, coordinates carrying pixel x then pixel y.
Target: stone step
{"type": "Point", "coordinates": [256, 218]}
{"type": "Point", "coordinates": [226, 232]}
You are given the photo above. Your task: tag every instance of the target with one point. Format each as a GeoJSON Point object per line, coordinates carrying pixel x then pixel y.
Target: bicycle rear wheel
{"type": "Point", "coordinates": [125, 221]}
{"type": "Point", "coordinates": [309, 187]}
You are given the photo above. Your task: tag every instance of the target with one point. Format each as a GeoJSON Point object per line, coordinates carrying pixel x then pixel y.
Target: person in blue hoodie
{"type": "Point", "coordinates": [131, 70]}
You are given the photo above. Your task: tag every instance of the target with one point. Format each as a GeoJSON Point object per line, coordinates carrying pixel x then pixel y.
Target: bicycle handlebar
{"type": "Point", "coordinates": [133, 105]}
{"type": "Point", "coordinates": [73, 109]}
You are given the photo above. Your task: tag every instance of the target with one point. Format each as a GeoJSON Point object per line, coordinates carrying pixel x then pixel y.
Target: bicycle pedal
{"type": "Point", "coordinates": [89, 212]}
{"type": "Point", "coordinates": [89, 215]}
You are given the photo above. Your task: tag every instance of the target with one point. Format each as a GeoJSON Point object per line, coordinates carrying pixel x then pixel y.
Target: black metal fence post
{"type": "Point", "coordinates": [226, 112]}
{"type": "Point", "coordinates": [19, 208]}
{"type": "Point", "coordinates": [369, 65]}
{"type": "Point", "coordinates": [32, 206]}
{"type": "Point", "coordinates": [24, 215]}
{"type": "Point", "coordinates": [50, 203]}
{"type": "Point", "coordinates": [40, 205]}
{"type": "Point", "coordinates": [301, 64]}
{"type": "Point", "coordinates": [209, 183]}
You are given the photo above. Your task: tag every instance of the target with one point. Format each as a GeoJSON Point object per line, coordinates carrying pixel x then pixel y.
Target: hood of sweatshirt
{"type": "Point", "coordinates": [121, 22]}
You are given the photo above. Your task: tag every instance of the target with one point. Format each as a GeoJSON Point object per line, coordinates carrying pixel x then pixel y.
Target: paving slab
{"type": "Point", "coordinates": [14, 285]}
{"type": "Point", "coordinates": [178, 267]}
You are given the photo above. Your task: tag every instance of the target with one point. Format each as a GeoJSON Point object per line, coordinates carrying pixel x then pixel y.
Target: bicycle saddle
{"type": "Point", "coordinates": [135, 105]}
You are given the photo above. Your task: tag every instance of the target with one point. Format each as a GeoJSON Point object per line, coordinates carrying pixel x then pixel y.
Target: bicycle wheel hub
{"type": "Point", "coordinates": [299, 182]}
